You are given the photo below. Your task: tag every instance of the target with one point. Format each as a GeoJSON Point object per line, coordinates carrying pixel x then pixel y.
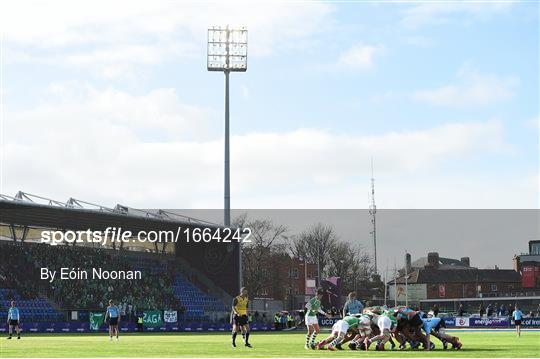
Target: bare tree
{"type": "Point", "coordinates": [259, 257]}
{"type": "Point", "coordinates": [316, 245]}
{"type": "Point", "coordinates": [352, 264]}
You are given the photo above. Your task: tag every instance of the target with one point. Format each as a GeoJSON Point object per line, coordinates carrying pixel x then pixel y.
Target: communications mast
{"type": "Point", "coordinates": [372, 216]}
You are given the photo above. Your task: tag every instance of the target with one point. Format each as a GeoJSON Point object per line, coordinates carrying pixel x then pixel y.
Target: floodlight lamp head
{"type": "Point", "coordinates": [227, 49]}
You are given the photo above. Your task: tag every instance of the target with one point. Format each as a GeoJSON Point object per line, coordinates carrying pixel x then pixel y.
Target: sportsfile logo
{"type": "Point", "coordinates": [117, 235]}
{"type": "Point", "coordinates": [110, 235]}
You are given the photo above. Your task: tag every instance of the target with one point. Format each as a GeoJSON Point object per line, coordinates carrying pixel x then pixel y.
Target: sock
{"type": "Point", "coordinates": [234, 337]}
{"type": "Point", "coordinates": [307, 339]}
{"type": "Point", "coordinates": [244, 337]}
{"type": "Point", "coordinates": [334, 342]}
{"type": "Point", "coordinates": [313, 336]}
{"type": "Point", "coordinates": [247, 337]}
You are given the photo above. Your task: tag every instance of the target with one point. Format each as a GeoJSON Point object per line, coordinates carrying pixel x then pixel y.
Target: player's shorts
{"type": "Point", "coordinates": [113, 321]}
{"type": "Point", "coordinates": [517, 322]}
{"type": "Point", "coordinates": [240, 320]}
{"type": "Point", "coordinates": [340, 326]}
{"type": "Point", "coordinates": [416, 321]}
{"type": "Point", "coordinates": [364, 329]}
{"type": "Point", "coordinates": [13, 322]}
{"type": "Point", "coordinates": [384, 323]}
{"type": "Point", "coordinates": [311, 320]}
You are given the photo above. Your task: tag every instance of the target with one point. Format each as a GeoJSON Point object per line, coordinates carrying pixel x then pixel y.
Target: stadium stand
{"type": "Point", "coordinates": [36, 310]}
{"type": "Point", "coordinates": [196, 302]}
{"type": "Point", "coordinates": [163, 285]}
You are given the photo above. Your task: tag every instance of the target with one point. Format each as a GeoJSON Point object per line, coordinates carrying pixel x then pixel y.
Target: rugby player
{"type": "Point", "coordinates": [312, 323]}
{"type": "Point", "coordinates": [339, 330]}
{"type": "Point", "coordinates": [113, 315]}
{"type": "Point", "coordinates": [384, 323]}
{"type": "Point", "coordinates": [363, 331]}
{"type": "Point", "coordinates": [413, 325]}
{"type": "Point", "coordinates": [436, 327]}
{"type": "Point", "coordinates": [352, 305]}
{"type": "Point", "coordinates": [13, 320]}
{"type": "Point", "coordinates": [517, 315]}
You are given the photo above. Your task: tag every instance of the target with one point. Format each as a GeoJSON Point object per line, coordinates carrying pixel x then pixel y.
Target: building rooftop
{"type": "Point", "coordinates": [443, 263]}
{"type": "Point", "coordinates": [471, 275]}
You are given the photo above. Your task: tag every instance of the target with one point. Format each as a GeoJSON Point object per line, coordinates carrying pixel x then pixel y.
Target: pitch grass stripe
{"type": "Point", "coordinates": [271, 345]}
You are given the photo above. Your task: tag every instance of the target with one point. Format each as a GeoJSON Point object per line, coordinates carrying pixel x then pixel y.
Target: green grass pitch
{"type": "Point", "coordinates": [475, 344]}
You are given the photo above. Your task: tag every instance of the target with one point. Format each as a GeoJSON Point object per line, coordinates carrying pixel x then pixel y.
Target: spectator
{"type": "Point", "coordinates": [482, 310]}
{"type": "Point", "coordinates": [277, 321]}
{"type": "Point", "coordinates": [290, 321]}
{"type": "Point", "coordinates": [489, 310]}
{"type": "Point", "coordinates": [140, 323]}
{"type": "Point", "coordinates": [283, 320]}
{"type": "Point", "coordinates": [461, 311]}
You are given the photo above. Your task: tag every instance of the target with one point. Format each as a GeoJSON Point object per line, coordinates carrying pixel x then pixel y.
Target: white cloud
{"type": "Point", "coordinates": [420, 190]}
{"type": "Point", "coordinates": [359, 57]}
{"type": "Point", "coordinates": [460, 191]}
{"type": "Point", "coordinates": [72, 111]}
{"type": "Point", "coordinates": [154, 151]}
{"type": "Point", "coordinates": [472, 89]}
{"type": "Point", "coordinates": [112, 36]}
{"type": "Point", "coordinates": [441, 12]}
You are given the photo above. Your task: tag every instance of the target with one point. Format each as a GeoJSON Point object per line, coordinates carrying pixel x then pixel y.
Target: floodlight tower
{"type": "Point", "coordinates": [227, 52]}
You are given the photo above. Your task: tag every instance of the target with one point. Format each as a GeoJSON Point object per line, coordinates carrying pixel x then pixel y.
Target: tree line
{"type": "Point", "coordinates": [268, 258]}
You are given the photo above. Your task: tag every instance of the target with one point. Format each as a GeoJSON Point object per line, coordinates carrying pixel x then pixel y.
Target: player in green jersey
{"type": "Point", "coordinates": [312, 323]}
{"type": "Point", "coordinates": [384, 323]}
{"type": "Point", "coordinates": [339, 331]}
{"type": "Point", "coordinates": [363, 332]}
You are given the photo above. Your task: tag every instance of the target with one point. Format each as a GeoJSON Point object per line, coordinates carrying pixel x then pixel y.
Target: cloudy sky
{"type": "Point", "coordinates": [111, 102]}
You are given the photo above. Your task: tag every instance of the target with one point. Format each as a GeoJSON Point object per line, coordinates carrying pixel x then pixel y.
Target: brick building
{"type": "Point", "coordinates": [444, 278]}
{"type": "Point", "coordinates": [298, 273]}
{"type": "Point", "coordinates": [289, 277]}
{"type": "Point", "coordinates": [529, 266]}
